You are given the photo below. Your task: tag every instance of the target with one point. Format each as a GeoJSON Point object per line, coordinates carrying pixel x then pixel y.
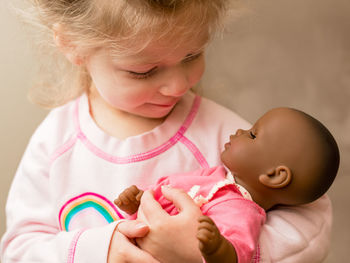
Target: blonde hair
{"type": "Point", "coordinates": [126, 27]}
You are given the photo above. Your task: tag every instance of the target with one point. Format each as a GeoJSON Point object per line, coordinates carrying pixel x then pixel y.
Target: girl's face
{"type": "Point", "coordinates": [150, 83]}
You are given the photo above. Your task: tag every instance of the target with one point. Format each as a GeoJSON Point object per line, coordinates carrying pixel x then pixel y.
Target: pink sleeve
{"type": "Point", "coordinates": [239, 221]}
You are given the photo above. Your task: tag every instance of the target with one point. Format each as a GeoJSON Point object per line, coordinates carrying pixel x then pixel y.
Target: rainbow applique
{"type": "Point", "coordinates": [87, 210]}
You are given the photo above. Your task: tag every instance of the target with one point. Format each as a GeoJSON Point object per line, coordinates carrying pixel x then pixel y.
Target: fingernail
{"type": "Point", "coordinates": [141, 225]}
{"type": "Point", "coordinates": [166, 186]}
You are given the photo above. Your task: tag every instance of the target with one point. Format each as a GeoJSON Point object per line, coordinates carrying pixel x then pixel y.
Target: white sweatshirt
{"type": "Point", "coordinates": [60, 206]}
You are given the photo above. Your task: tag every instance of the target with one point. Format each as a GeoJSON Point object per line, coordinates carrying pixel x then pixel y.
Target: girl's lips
{"type": "Point", "coordinates": [165, 105]}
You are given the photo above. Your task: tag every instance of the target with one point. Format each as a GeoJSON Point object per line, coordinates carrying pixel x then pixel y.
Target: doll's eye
{"type": "Point", "coordinates": [252, 135]}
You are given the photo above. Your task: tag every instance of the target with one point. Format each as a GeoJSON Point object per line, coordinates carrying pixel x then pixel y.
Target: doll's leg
{"type": "Point", "coordinates": [213, 246]}
{"type": "Point", "coordinates": [129, 199]}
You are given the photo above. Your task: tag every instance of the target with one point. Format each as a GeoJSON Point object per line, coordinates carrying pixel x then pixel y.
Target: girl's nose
{"type": "Point", "coordinates": [175, 83]}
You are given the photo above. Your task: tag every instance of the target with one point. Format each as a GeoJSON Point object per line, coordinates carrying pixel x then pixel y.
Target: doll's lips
{"type": "Point", "coordinates": [228, 144]}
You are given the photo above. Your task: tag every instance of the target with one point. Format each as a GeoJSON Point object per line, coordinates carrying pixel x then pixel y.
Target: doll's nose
{"type": "Point", "coordinates": [239, 132]}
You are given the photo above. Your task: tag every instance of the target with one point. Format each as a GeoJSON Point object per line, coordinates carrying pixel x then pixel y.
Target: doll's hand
{"type": "Point", "coordinates": [129, 199]}
{"type": "Point", "coordinates": [122, 247]}
{"type": "Point", "coordinates": [171, 238]}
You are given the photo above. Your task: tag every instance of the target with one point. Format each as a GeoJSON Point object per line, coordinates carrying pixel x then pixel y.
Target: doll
{"type": "Point", "coordinates": [286, 158]}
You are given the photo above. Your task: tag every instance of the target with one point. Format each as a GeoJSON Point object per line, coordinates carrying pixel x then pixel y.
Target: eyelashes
{"type": "Point", "coordinates": [151, 72]}
{"type": "Point", "coordinates": [143, 75]}
{"type": "Point", "coordinates": [252, 135]}
{"type": "Point", "coordinates": [191, 57]}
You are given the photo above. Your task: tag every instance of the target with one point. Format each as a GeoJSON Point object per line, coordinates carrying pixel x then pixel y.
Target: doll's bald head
{"type": "Point", "coordinates": [287, 157]}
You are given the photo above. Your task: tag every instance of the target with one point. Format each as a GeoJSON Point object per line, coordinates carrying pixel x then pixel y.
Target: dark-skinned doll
{"type": "Point", "coordinates": [286, 158]}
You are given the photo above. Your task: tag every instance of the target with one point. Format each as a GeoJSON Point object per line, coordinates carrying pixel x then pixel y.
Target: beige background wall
{"type": "Point", "coordinates": [285, 52]}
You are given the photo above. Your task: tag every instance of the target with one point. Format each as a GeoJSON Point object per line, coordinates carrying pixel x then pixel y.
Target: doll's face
{"type": "Point", "coordinates": [288, 139]}
{"type": "Point", "coordinates": [270, 142]}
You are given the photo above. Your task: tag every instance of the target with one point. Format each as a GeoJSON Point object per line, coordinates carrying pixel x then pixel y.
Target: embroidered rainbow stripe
{"type": "Point", "coordinates": [85, 201]}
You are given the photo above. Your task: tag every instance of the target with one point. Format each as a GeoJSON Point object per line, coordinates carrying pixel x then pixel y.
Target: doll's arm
{"type": "Point", "coordinates": [129, 199]}
{"type": "Point", "coordinates": [213, 246]}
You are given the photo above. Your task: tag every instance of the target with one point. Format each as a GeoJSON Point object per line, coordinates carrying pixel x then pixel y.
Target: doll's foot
{"type": "Point", "coordinates": [208, 235]}
{"type": "Point", "coordinates": [129, 199]}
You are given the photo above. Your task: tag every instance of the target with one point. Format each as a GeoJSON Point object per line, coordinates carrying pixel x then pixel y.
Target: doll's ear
{"type": "Point", "coordinates": [278, 177]}
{"type": "Point", "coordinates": [65, 45]}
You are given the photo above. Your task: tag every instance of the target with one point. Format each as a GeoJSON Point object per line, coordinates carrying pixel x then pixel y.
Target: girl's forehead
{"type": "Point", "coordinates": [165, 50]}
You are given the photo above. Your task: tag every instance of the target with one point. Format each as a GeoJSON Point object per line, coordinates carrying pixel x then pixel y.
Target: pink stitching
{"type": "Point", "coordinates": [195, 151]}
{"type": "Point", "coordinates": [256, 257]}
{"type": "Point", "coordinates": [63, 148]}
{"type": "Point", "coordinates": [143, 156]}
{"type": "Point", "coordinates": [76, 115]}
{"type": "Point", "coordinates": [73, 246]}
{"type": "Point", "coordinates": [129, 159]}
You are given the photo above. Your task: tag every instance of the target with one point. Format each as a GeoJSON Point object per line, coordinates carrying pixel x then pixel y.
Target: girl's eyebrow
{"type": "Point", "coordinates": [149, 62]}
{"type": "Point", "coordinates": [156, 62]}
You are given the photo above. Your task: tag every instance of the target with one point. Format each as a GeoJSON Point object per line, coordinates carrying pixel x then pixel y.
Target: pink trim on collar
{"type": "Point", "coordinates": [195, 151]}
{"type": "Point", "coordinates": [142, 156]}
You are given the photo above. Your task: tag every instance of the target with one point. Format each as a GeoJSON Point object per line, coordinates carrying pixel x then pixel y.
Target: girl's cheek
{"type": "Point", "coordinates": [197, 72]}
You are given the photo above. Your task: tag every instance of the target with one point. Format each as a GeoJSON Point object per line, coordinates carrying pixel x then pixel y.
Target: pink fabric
{"type": "Point", "coordinates": [238, 219]}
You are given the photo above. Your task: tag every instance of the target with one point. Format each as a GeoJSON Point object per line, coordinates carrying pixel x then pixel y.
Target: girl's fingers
{"type": "Point", "coordinates": [150, 208]}
{"type": "Point", "coordinates": [126, 252]}
{"type": "Point", "coordinates": [141, 256]}
{"type": "Point", "coordinates": [133, 229]}
{"type": "Point", "coordinates": [181, 200]}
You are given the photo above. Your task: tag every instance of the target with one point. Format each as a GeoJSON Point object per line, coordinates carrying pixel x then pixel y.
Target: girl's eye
{"type": "Point", "coordinates": [143, 75]}
{"type": "Point", "coordinates": [151, 72]}
{"type": "Point", "coordinates": [252, 135]}
{"type": "Point", "coordinates": [191, 57]}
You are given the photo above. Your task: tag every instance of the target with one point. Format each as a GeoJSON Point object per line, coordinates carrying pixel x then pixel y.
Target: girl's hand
{"type": "Point", "coordinates": [171, 238]}
{"type": "Point", "coordinates": [123, 249]}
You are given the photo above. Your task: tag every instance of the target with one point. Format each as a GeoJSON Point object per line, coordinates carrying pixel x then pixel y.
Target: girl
{"type": "Point", "coordinates": [130, 119]}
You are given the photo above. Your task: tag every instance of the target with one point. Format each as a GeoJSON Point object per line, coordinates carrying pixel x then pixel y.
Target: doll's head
{"type": "Point", "coordinates": [124, 28]}
{"type": "Point", "coordinates": [287, 157]}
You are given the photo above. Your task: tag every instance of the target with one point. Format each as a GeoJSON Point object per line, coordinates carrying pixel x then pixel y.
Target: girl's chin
{"type": "Point", "coordinates": [156, 112]}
